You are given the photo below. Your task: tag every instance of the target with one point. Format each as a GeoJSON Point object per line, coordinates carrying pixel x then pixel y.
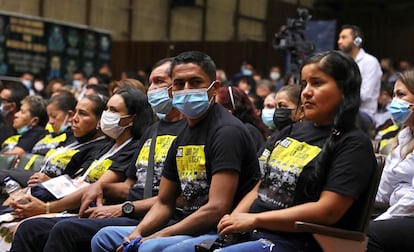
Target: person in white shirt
{"type": "Point", "coordinates": [350, 41]}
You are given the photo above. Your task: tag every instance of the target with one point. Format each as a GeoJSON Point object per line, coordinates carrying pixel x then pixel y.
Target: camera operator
{"type": "Point", "coordinates": [350, 42]}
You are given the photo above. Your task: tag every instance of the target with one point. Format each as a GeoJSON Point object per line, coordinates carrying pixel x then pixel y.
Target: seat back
{"type": "Point", "coordinates": [373, 187]}
{"type": "Point", "coordinates": [8, 161]}
{"type": "Point", "coordinates": [29, 162]}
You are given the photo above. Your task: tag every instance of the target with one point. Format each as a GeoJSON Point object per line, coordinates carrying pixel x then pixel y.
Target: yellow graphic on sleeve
{"type": "Point", "coordinates": [49, 142]}
{"type": "Point", "coordinates": [191, 162]}
{"type": "Point", "coordinates": [10, 142]}
{"type": "Point", "coordinates": [97, 169]}
{"type": "Point", "coordinates": [292, 153]}
{"type": "Point", "coordinates": [60, 156]}
{"type": "Point", "coordinates": [162, 145]}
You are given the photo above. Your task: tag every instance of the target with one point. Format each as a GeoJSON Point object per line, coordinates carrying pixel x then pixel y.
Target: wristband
{"type": "Point", "coordinates": [47, 207]}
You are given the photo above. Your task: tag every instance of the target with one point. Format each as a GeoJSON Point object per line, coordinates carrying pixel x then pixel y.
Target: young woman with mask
{"type": "Point", "coordinates": [392, 230]}
{"type": "Point", "coordinates": [128, 114]}
{"type": "Point", "coordinates": [30, 122]}
{"type": "Point", "coordinates": [288, 104]}
{"type": "Point", "coordinates": [329, 186]}
{"type": "Point", "coordinates": [70, 159]}
{"type": "Point", "coordinates": [238, 103]}
{"type": "Point", "coordinates": [268, 111]}
{"type": "Point", "coordinates": [60, 110]}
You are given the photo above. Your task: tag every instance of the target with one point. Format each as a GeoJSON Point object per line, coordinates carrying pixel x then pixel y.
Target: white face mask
{"type": "Point", "coordinates": [274, 76]}
{"type": "Point", "coordinates": [110, 124]}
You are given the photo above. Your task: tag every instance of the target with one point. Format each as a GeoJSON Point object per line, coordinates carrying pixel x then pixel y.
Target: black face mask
{"type": "Point", "coordinates": [281, 118]}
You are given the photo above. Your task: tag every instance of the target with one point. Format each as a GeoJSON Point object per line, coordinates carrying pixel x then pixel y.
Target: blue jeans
{"type": "Point", "coordinates": [180, 243]}
{"type": "Point", "coordinates": [109, 238]}
{"type": "Point", "coordinates": [264, 241]}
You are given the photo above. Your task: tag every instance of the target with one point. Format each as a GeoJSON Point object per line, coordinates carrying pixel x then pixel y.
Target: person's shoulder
{"type": "Point", "coordinates": [367, 56]}
{"type": "Point", "coordinates": [356, 136]}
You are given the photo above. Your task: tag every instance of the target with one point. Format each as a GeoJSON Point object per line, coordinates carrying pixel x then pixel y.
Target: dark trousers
{"type": "Point", "coordinates": [62, 234]}
{"type": "Point", "coordinates": [391, 235]}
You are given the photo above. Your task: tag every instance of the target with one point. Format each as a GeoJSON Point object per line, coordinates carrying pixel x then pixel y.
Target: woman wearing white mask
{"type": "Point", "coordinates": [391, 230]}
{"type": "Point", "coordinates": [128, 114]}
{"type": "Point", "coordinates": [29, 122]}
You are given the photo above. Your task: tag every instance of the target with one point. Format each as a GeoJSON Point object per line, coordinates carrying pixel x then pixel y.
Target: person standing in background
{"type": "Point", "coordinates": [350, 42]}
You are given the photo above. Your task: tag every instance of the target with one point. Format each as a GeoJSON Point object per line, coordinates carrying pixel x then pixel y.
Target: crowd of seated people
{"type": "Point", "coordinates": [192, 156]}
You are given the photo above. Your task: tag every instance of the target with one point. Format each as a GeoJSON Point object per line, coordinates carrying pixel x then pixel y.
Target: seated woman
{"type": "Point", "coordinates": [317, 172]}
{"type": "Point", "coordinates": [60, 110]}
{"type": "Point", "coordinates": [238, 103]}
{"type": "Point", "coordinates": [30, 122]}
{"type": "Point", "coordinates": [72, 158]}
{"type": "Point", "coordinates": [127, 116]}
{"type": "Point", "coordinates": [288, 106]}
{"type": "Point", "coordinates": [392, 230]}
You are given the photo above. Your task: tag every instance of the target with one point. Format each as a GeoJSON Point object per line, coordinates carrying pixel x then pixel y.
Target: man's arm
{"type": "Point", "coordinates": [160, 212]}
{"type": "Point", "coordinates": [222, 190]}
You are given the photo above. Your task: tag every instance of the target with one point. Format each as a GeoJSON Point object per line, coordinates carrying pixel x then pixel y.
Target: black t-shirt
{"type": "Point", "coordinates": [26, 141]}
{"type": "Point", "coordinates": [291, 161]}
{"type": "Point", "coordinates": [51, 141]}
{"type": "Point", "coordinates": [109, 159]}
{"type": "Point", "coordinates": [166, 133]}
{"type": "Point", "coordinates": [256, 135]}
{"type": "Point", "coordinates": [218, 142]}
{"type": "Point", "coordinates": [72, 159]}
{"type": "Point", "coordinates": [6, 131]}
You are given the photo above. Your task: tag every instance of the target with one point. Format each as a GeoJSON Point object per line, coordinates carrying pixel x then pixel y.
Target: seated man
{"type": "Point", "coordinates": [212, 163]}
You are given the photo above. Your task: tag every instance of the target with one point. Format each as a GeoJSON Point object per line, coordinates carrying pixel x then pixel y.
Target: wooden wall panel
{"type": "Point", "coordinates": [67, 11]}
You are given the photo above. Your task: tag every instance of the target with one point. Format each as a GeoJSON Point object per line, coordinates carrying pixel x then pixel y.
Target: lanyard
{"type": "Point", "coordinates": [108, 154]}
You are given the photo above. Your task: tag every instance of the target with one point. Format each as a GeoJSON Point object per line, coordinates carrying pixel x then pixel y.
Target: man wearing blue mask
{"type": "Point", "coordinates": [10, 97]}
{"type": "Point", "coordinates": [54, 232]}
{"type": "Point", "coordinates": [212, 164]}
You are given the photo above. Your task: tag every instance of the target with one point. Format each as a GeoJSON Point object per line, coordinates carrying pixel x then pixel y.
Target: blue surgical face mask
{"type": "Point", "coordinates": [3, 111]}
{"type": "Point", "coordinates": [246, 71]}
{"type": "Point", "coordinates": [267, 117]}
{"type": "Point", "coordinates": [27, 84]}
{"type": "Point", "coordinates": [400, 110]}
{"type": "Point", "coordinates": [65, 125]}
{"type": "Point", "coordinates": [160, 101]}
{"type": "Point", "coordinates": [22, 130]}
{"type": "Point", "coordinates": [192, 102]}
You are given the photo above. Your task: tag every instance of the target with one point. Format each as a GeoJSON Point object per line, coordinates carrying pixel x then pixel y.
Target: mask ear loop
{"type": "Point", "coordinates": [232, 98]}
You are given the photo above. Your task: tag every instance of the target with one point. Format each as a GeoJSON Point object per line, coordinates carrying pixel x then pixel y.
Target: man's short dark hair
{"type": "Point", "coordinates": [198, 58]}
{"type": "Point", "coordinates": [356, 31]}
{"type": "Point", "coordinates": [17, 92]}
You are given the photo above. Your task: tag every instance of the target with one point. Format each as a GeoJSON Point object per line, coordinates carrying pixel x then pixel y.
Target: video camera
{"type": "Point", "coordinates": [291, 37]}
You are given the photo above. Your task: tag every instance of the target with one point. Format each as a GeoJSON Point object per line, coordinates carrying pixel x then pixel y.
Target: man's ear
{"type": "Point", "coordinates": [35, 121]}
{"type": "Point", "coordinates": [216, 85]}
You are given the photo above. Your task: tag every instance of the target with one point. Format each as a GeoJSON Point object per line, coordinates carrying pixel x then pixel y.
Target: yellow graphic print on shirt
{"type": "Point", "coordinates": [162, 145]}
{"type": "Point", "coordinates": [191, 168]}
{"type": "Point", "coordinates": [57, 160]}
{"type": "Point", "coordinates": [10, 143]}
{"type": "Point", "coordinates": [97, 169]}
{"type": "Point", "coordinates": [282, 170]}
{"type": "Point", "coordinates": [48, 142]}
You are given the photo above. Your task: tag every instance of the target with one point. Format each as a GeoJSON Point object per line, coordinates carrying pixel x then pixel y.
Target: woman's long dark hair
{"type": "Point", "coordinates": [137, 104]}
{"type": "Point", "coordinates": [343, 69]}
{"type": "Point", "coordinates": [242, 108]}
